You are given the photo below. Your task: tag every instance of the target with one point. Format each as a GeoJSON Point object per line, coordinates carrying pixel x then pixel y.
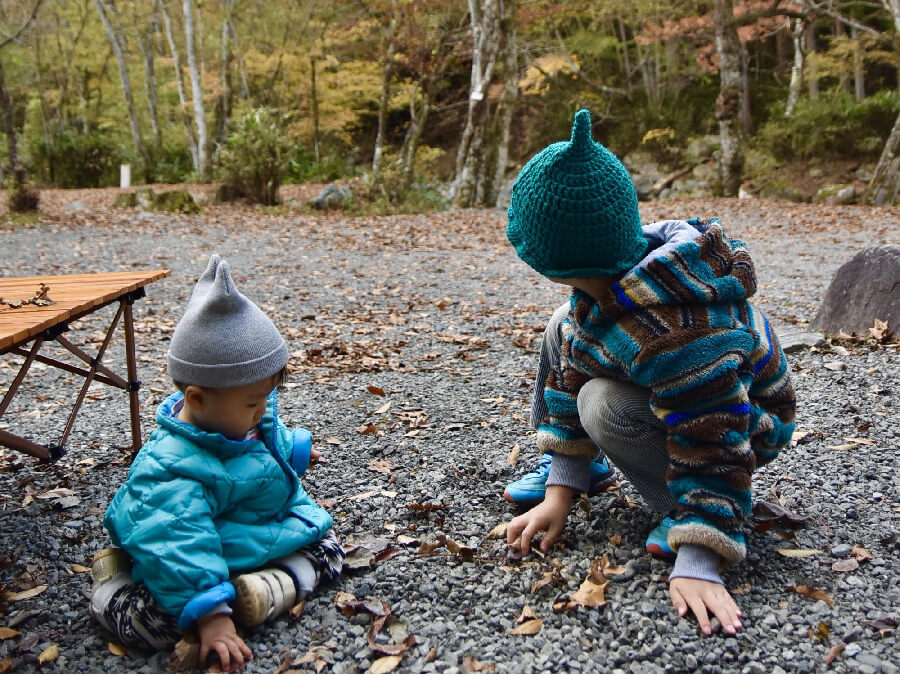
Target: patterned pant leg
{"type": "Point", "coordinates": [139, 622]}
{"type": "Point", "coordinates": [312, 564]}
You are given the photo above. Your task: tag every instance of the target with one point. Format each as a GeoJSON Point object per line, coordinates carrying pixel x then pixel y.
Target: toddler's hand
{"type": "Point", "coordinates": [550, 516]}
{"type": "Point", "coordinates": [217, 633]}
{"type": "Point", "coordinates": [699, 595]}
{"type": "Point", "coordinates": [314, 456]}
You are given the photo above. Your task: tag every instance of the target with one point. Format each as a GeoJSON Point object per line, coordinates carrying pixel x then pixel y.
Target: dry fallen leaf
{"type": "Point", "coordinates": [5, 665]}
{"type": "Point", "coordinates": [331, 440]}
{"type": "Point", "coordinates": [48, 655]}
{"type": "Point", "coordinates": [834, 652]}
{"type": "Point", "coordinates": [116, 649]}
{"type": "Point", "coordinates": [406, 540]}
{"type": "Point", "coordinates": [367, 429]}
{"type": "Point", "coordinates": [431, 655]}
{"type": "Point", "coordinates": [513, 455]}
{"type": "Point", "coordinates": [591, 593]}
{"type": "Point", "coordinates": [186, 655]}
{"type": "Point", "coordinates": [615, 539]}
{"type": "Point", "coordinates": [608, 569]}
{"type": "Point", "coordinates": [26, 595]}
{"type": "Point", "coordinates": [6, 633]}
{"type": "Point", "coordinates": [847, 565]}
{"type": "Point", "coordinates": [375, 391]}
{"type": "Point", "coordinates": [499, 531]}
{"type": "Point", "coordinates": [743, 589]}
{"type": "Point", "coordinates": [879, 329]}
{"type": "Point", "coordinates": [381, 466]}
{"type": "Point", "coordinates": [798, 552]}
{"type": "Point", "coordinates": [860, 553]}
{"type": "Point", "coordinates": [297, 610]}
{"type": "Point", "coordinates": [383, 409]}
{"type": "Point", "coordinates": [472, 665]}
{"type": "Point", "coordinates": [813, 593]}
{"type": "Point", "coordinates": [79, 569]}
{"type": "Point", "coordinates": [527, 614]}
{"type": "Point", "coordinates": [385, 664]}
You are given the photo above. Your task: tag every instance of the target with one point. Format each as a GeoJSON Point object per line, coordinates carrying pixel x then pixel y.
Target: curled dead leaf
{"type": "Point", "coordinates": [526, 614]}
{"type": "Point", "coordinates": [860, 553]}
{"type": "Point", "coordinates": [375, 391]}
{"type": "Point", "coordinates": [116, 649]}
{"type": "Point", "coordinates": [513, 455]}
{"type": "Point", "coordinates": [608, 569]}
{"type": "Point", "coordinates": [472, 665]}
{"type": "Point", "coordinates": [743, 589]}
{"type": "Point", "coordinates": [79, 569]}
{"type": "Point", "coordinates": [834, 652]}
{"type": "Point", "coordinates": [48, 655]}
{"type": "Point", "coordinates": [26, 595]}
{"type": "Point", "coordinates": [297, 610]}
{"type": "Point", "coordinates": [798, 552]}
{"type": "Point", "coordinates": [385, 664]}
{"type": "Point", "coordinates": [615, 539]}
{"type": "Point", "coordinates": [591, 593]}
{"type": "Point", "coordinates": [498, 531]}
{"type": "Point", "coordinates": [6, 633]}
{"type": "Point", "coordinates": [530, 627]}
{"type": "Point", "coordinates": [367, 429]}
{"type": "Point", "coordinates": [813, 593]}
{"type": "Point", "coordinates": [186, 655]}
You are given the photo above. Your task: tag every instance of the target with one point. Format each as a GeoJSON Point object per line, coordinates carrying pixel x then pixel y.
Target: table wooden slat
{"type": "Point", "coordinates": [73, 294]}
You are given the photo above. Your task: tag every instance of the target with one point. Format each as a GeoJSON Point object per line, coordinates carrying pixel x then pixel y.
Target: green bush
{"type": "Point", "coordinates": [68, 158]}
{"type": "Point", "coordinates": [835, 125]}
{"type": "Point", "coordinates": [303, 168]}
{"type": "Point", "coordinates": [170, 164]}
{"type": "Point", "coordinates": [254, 161]}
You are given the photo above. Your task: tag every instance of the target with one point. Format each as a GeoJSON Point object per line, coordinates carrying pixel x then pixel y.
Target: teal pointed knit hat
{"type": "Point", "coordinates": [574, 210]}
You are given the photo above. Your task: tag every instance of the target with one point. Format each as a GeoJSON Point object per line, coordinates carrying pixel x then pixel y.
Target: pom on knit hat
{"type": "Point", "coordinates": [574, 210]}
{"type": "Point", "coordinates": [223, 339]}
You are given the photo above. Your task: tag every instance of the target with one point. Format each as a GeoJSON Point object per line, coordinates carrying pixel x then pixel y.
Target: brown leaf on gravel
{"type": "Point", "coordinates": [464, 552]}
{"type": "Point", "coordinates": [426, 507]}
{"type": "Point", "coordinates": [860, 553]}
{"type": "Point", "coordinates": [591, 593]}
{"type": "Point", "coordinates": [367, 429]}
{"type": "Point", "coordinates": [6, 633]}
{"type": "Point", "coordinates": [297, 610]}
{"type": "Point", "coordinates": [885, 625]}
{"type": "Point", "coordinates": [615, 539]}
{"type": "Point", "coordinates": [834, 652]}
{"type": "Point", "coordinates": [320, 655]}
{"type": "Point", "coordinates": [846, 565]}
{"type": "Point", "coordinates": [385, 664]}
{"type": "Point", "coordinates": [813, 593]}
{"type": "Point", "coordinates": [513, 455]}
{"type": "Point", "coordinates": [427, 548]}
{"type": "Point", "coordinates": [472, 665]}
{"type": "Point", "coordinates": [499, 531]}
{"type": "Point", "coordinates": [431, 655]}
{"type": "Point", "coordinates": [743, 589]}
{"type": "Point", "coordinates": [186, 655]}
{"type": "Point", "coordinates": [530, 627]}
{"type": "Point", "coordinates": [375, 391]}
{"type": "Point", "coordinates": [331, 440]}
{"type": "Point", "coordinates": [5, 665]}
{"type": "Point", "coordinates": [798, 552]}
{"type": "Point", "coordinates": [48, 655]}
{"type": "Point", "coordinates": [25, 595]}
{"type": "Point", "coordinates": [608, 569]}
{"type": "Point", "coordinates": [349, 605]}
{"type": "Point", "coordinates": [381, 466]}
{"type": "Point", "coordinates": [116, 649]}
{"type": "Point", "coordinates": [552, 576]}
{"type": "Point", "coordinates": [402, 643]}
{"type": "Point", "coordinates": [879, 330]}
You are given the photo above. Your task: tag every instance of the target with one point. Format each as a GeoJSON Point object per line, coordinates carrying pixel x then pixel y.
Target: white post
{"type": "Point", "coordinates": [125, 175]}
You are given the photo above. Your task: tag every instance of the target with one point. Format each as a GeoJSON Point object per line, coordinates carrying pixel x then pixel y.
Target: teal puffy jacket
{"type": "Point", "coordinates": [198, 507]}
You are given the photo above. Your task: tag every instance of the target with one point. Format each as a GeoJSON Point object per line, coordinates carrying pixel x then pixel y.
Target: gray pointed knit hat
{"type": "Point", "coordinates": [223, 339]}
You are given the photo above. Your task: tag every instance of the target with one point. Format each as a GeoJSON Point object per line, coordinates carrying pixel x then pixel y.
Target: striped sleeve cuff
{"type": "Point", "coordinates": [697, 562]}
{"type": "Point", "coordinates": [571, 471]}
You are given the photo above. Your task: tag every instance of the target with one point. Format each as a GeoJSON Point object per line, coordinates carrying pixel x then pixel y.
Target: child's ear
{"type": "Point", "coordinates": [195, 397]}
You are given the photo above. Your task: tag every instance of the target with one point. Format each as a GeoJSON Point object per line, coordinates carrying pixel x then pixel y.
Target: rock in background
{"type": "Point", "coordinates": [863, 289]}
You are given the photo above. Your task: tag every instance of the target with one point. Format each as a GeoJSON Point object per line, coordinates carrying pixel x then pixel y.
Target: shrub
{"type": "Point", "coordinates": [832, 126]}
{"type": "Point", "coordinates": [68, 158]}
{"type": "Point", "coordinates": [22, 198]}
{"type": "Point", "coordinates": [303, 168]}
{"type": "Point", "coordinates": [254, 161]}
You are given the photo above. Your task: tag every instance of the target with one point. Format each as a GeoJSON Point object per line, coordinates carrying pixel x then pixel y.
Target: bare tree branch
{"type": "Point", "coordinates": [23, 27]}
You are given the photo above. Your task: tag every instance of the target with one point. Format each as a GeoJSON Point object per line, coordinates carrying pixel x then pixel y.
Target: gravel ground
{"type": "Point", "coordinates": [439, 314]}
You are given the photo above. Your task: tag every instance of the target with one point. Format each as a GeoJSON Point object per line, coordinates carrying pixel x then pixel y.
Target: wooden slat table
{"type": "Point", "coordinates": [74, 296]}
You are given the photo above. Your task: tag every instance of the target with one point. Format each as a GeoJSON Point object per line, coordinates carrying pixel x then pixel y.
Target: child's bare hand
{"type": "Point", "coordinates": [700, 596]}
{"type": "Point", "coordinates": [550, 516]}
{"type": "Point", "coordinates": [217, 634]}
{"type": "Point", "coordinates": [314, 456]}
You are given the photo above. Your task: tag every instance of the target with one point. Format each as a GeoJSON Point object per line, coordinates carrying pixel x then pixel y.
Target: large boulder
{"type": "Point", "coordinates": [701, 148]}
{"type": "Point", "coordinates": [332, 196]}
{"type": "Point", "coordinates": [863, 289]}
{"type": "Point", "coordinates": [835, 194]}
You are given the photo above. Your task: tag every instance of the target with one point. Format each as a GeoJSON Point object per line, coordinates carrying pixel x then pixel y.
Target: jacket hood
{"type": "Point", "coordinates": [690, 262]}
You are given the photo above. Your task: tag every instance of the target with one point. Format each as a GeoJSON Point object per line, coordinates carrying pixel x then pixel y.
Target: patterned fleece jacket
{"type": "Point", "coordinates": [680, 325]}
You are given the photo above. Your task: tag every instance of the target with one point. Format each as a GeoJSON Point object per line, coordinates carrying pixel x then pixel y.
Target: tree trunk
{"type": "Point", "coordinates": [624, 41]}
{"type": "Point", "coordinates": [146, 49]}
{"type": "Point", "coordinates": [245, 88]}
{"type": "Point", "coordinates": [812, 76]}
{"type": "Point", "coordinates": [859, 75]}
{"type": "Point", "coordinates": [796, 71]}
{"type": "Point", "coordinates": [746, 113]}
{"type": "Point", "coordinates": [223, 108]}
{"type": "Point", "coordinates": [728, 103]}
{"type": "Point", "coordinates": [196, 88]}
{"type": "Point", "coordinates": [413, 138]}
{"type": "Point", "coordinates": [9, 125]}
{"type": "Point", "coordinates": [314, 101]}
{"type": "Point", "coordinates": [484, 18]}
{"type": "Point", "coordinates": [179, 81]}
{"type": "Point", "coordinates": [507, 101]}
{"type": "Point", "coordinates": [126, 80]}
{"type": "Point", "coordinates": [885, 183]}
{"type": "Point", "coordinates": [843, 79]}
{"type": "Point", "coordinates": [385, 88]}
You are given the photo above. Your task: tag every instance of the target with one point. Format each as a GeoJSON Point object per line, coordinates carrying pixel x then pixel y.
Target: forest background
{"type": "Point", "coordinates": [428, 102]}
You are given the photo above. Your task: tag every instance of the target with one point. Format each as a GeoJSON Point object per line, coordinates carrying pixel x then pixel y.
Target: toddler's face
{"type": "Point", "coordinates": [233, 411]}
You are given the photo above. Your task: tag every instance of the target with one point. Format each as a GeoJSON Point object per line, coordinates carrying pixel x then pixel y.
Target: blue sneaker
{"type": "Point", "coordinates": [531, 487]}
{"type": "Point", "coordinates": [658, 541]}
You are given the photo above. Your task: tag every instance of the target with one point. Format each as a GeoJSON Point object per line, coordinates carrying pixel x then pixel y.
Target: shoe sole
{"type": "Point", "coordinates": [658, 551]}
{"type": "Point", "coordinates": [595, 490]}
{"type": "Point", "coordinates": [248, 606]}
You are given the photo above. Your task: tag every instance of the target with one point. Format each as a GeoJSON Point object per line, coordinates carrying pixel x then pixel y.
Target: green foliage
{"type": "Point", "coordinates": [254, 162]}
{"type": "Point", "coordinates": [68, 158]}
{"type": "Point", "coordinates": [170, 164]}
{"type": "Point", "coordinates": [833, 126]}
{"type": "Point", "coordinates": [303, 168]}
{"type": "Point", "coordinates": [389, 191]}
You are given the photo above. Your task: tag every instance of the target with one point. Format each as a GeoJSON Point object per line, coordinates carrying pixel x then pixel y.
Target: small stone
{"type": "Point", "coordinates": [690, 662]}
{"type": "Point", "coordinates": [770, 620]}
{"type": "Point", "coordinates": [852, 649]}
{"type": "Point", "coordinates": [841, 551]}
{"type": "Point", "coordinates": [888, 667]}
{"type": "Point", "coordinates": [869, 660]}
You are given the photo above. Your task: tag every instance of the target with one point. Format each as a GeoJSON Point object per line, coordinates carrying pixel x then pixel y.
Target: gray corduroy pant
{"type": "Point", "coordinates": [617, 417]}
